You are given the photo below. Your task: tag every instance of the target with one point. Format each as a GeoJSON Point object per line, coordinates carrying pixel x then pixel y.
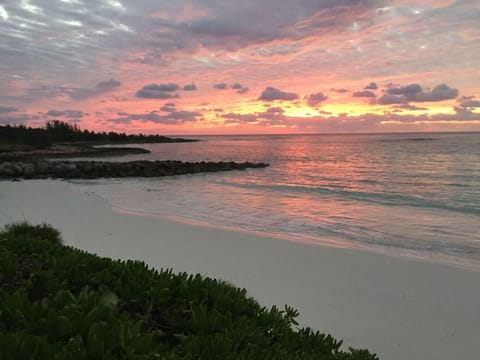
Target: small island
{"type": "Point", "coordinates": [26, 153]}
{"type": "Point", "coordinates": [59, 139]}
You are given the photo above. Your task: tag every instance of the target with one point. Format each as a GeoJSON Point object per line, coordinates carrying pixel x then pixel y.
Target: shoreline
{"type": "Point", "coordinates": [396, 253]}
{"type": "Point", "coordinates": [398, 308]}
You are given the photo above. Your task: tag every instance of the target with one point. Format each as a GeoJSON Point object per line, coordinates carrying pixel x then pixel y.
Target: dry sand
{"type": "Point", "coordinates": [399, 308]}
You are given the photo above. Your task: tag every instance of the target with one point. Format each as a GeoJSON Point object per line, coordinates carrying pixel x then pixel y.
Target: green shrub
{"type": "Point", "coordinates": [58, 302]}
{"type": "Point", "coordinates": [24, 228]}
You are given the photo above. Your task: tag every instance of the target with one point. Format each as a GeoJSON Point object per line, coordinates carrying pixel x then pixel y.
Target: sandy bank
{"type": "Point", "coordinates": [398, 308]}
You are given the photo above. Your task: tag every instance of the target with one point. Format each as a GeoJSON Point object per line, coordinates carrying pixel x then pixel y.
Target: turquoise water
{"type": "Point", "coordinates": [415, 195]}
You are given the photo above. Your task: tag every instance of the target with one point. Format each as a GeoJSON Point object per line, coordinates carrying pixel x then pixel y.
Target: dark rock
{"type": "Point", "coordinates": [86, 166]}
{"type": "Point", "coordinates": [96, 169]}
{"type": "Point", "coordinates": [7, 171]}
{"type": "Point", "coordinates": [18, 169]}
{"type": "Point", "coordinates": [28, 170]}
{"type": "Point", "coordinates": [42, 167]}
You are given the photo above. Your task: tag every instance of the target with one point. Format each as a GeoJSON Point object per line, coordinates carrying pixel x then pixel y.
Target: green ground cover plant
{"type": "Point", "coordinates": [57, 302]}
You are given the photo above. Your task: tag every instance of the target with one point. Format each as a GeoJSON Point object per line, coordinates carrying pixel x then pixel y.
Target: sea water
{"type": "Point", "coordinates": [415, 195]}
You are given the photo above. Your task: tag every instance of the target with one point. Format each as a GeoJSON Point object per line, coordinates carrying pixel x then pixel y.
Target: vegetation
{"type": "Point", "coordinates": [21, 138]}
{"type": "Point", "coordinates": [58, 302]}
{"type": "Point", "coordinates": [25, 229]}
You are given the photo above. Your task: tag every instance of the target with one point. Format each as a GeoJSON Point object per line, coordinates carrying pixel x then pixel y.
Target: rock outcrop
{"type": "Point", "coordinates": [43, 169]}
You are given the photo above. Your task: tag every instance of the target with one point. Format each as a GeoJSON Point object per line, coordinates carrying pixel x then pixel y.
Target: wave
{"type": "Point", "coordinates": [406, 139]}
{"type": "Point", "coordinates": [388, 199]}
{"type": "Point", "coordinates": [421, 139]}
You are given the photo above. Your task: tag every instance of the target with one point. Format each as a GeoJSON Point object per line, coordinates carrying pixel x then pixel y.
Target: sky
{"type": "Point", "coordinates": [241, 67]}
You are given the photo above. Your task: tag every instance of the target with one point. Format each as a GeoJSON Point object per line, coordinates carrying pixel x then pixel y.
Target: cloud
{"type": "Point", "coordinates": [410, 107]}
{"type": "Point", "coordinates": [268, 50]}
{"type": "Point", "coordinates": [170, 87]}
{"type": "Point", "coordinates": [405, 90]}
{"type": "Point", "coordinates": [183, 116]}
{"type": "Point", "coordinates": [109, 84]}
{"type": "Point", "coordinates": [71, 114]}
{"type": "Point", "coordinates": [168, 107]}
{"type": "Point", "coordinates": [64, 39]}
{"type": "Point", "coordinates": [323, 112]}
{"type": "Point", "coordinates": [84, 93]}
{"type": "Point", "coordinates": [469, 102]}
{"type": "Point", "coordinates": [415, 93]}
{"type": "Point", "coordinates": [266, 42]}
{"type": "Point", "coordinates": [340, 91]}
{"type": "Point", "coordinates": [172, 118]}
{"type": "Point", "coordinates": [221, 86]}
{"type": "Point", "coordinates": [268, 24]}
{"type": "Point", "coordinates": [388, 99]}
{"type": "Point", "coordinates": [15, 120]}
{"type": "Point", "coordinates": [344, 122]}
{"type": "Point", "coordinates": [124, 121]}
{"type": "Point", "coordinates": [149, 94]}
{"type": "Point", "coordinates": [271, 94]}
{"type": "Point", "coordinates": [190, 87]}
{"type": "Point", "coordinates": [9, 116]}
{"type": "Point", "coordinates": [461, 114]}
{"type": "Point", "coordinates": [315, 99]}
{"type": "Point", "coordinates": [3, 13]}
{"type": "Point", "coordinates": [275, 110]}
{"type": "Point", "coordinates": [270, 117]}
{"type": "Point", "coordinates": [240, 89]}
{"type": "Point", "coordinates": [233, 118]}
{"type": "Point", "coordinates": [364, 93]}
{"type": "Point", "coordinates": [7, 109]}
{"type": "Point", "coordinates": [371, 86]}
{"type": "Point", "coordinates": [161, 91]}
{"type": "Point", "coordinates": [439, 93]}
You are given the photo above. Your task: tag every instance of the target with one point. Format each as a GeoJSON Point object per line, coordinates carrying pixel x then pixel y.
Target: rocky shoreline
{"type": "Point", "coordinates": [43, 169]}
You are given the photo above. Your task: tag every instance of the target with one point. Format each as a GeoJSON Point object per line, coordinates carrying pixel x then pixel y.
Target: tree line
{"type": "Point", "coordinates": [57, 131]}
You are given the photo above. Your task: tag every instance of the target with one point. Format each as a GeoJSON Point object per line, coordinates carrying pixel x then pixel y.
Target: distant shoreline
{"type": "Point", "coordinates": [27, 153]}
{"type": "Point", "coordinates": [62, 140]}
{"type": "Point", "coordinates": [69, 150]}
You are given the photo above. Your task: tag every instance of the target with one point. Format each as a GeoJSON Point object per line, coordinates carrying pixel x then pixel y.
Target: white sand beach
{"type": "Point", "coordinates": [399, 308]}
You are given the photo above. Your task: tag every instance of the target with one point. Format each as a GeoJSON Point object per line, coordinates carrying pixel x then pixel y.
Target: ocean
{"type": "Point", "coordinates": [409, 195]}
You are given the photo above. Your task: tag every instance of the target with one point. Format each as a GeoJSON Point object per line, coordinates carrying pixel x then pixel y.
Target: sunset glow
{"type": "Point", "coordinates": [222, 67]}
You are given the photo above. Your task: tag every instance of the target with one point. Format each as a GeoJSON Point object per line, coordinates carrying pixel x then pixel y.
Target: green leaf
{"type": "Point", "coordinates": [108, 299]}
{"type": "Point", "coordinates": [76, 349]}
{"type": "Point", "coordinates": [28, 348]}
{"type": "Point", "coordinates": [95, 345]}
{"type": "Point", "coordinates": [63, 325]}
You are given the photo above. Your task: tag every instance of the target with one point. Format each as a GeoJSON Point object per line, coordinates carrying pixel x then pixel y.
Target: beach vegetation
{"type": "Point", "coordinates": [26, 229]}
{"type": "Point", "coordinates": [58, 302]}
{"type": "Point", "coordinates": [21, 137]}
